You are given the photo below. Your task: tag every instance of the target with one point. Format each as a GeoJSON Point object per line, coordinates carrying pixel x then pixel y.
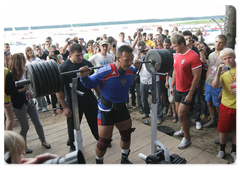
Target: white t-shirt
{"type": "Point", "coordinates": [101, 60]}
{"type": "Point", "coordinates": [119, 44]}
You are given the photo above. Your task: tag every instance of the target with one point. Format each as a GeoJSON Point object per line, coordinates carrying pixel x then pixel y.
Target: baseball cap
{"type": "Point", "coordinates": [103, 42]}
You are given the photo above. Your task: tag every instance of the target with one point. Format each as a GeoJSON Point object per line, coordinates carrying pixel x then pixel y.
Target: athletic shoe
{"type": "Point", "coordinates": [179, 133]}
{"type": "Point", "coordinates": [198, 125]}
{"type": "Point", "coordinates": [39, 108]}
{"type": "Point", "coordinates": [125, 161]}
{"type": "Point", "coordinates": [184, 143]}
{"type": "Point", "coordinates": [233, 155]}
{"type": "Point", "coordinates": [211, 123]}
{"type": "Point", "coordinates": [99, 161]}
{"type": "Point", "coordinates": [164, 110]}
{"type": "Point", "coordinates": [44, 109]}
{"type": "Point", "coordinates": [221, 154]}
{"type": "Point", "coordinates": [54, 113]}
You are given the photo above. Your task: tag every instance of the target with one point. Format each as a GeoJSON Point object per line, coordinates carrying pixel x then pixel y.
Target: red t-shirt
{"type": "Point", "coordinates": [183, 66]}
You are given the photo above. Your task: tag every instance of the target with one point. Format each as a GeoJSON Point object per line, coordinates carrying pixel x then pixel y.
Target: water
{"type": "Point", "coordinates": [92, 32]}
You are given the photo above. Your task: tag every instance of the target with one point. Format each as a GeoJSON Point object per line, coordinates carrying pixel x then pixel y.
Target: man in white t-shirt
{"type": "Point", "coordinates": [102, 58]}
{"type": "Point", "coordinates": [122, 41]}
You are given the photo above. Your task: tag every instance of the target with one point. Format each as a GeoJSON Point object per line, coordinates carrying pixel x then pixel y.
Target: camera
{"type": "Point", "coordinates": [56, 52]}
{"type": "Point", "coordinates": [75, 157]}
{"type": "Point", "coordinates": [75, 41]}
{"type": "Point", "coordinates": [113, 45]}
{"type": "Point", "coordinates": [142, 50]}
{"type": "Point", "coordinates": [191, 41]}
{"type": "Point", "coordinates": [6, 53]}
{"type": "Point", "coordinates": [140, 29]}
{"type": "Point", "coordinates": [226, 68]}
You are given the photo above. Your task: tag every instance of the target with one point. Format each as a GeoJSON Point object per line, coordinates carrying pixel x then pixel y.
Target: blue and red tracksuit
{"type": "Point", "coordinates": [114, 84]}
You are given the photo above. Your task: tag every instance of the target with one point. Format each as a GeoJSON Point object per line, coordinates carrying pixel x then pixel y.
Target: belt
{"type": "Point", "coordinates": [115, 106]}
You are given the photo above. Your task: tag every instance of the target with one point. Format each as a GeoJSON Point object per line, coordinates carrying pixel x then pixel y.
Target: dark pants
{"type": "Point", "coordinates": [200, 103]}
{"type": "Point", "coordinates": [90, 111]}
{"type": "Point", "coordinates": [137, 85]}
{"type": "Point", "coordinates": [132, 91]}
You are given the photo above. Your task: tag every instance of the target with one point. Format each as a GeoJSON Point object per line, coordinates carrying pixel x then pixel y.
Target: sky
{"type": "Point", "coordinates": [18, 13]}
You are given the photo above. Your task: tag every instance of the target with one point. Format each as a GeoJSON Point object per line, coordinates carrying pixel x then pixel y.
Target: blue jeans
{"type": "Point", "coordinates": [144, 90]}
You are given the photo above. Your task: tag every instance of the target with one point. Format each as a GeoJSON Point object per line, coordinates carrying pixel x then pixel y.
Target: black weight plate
{"type": "Point", "coordinates": [59, 76]}
{"type": "Point", "coordinates": [39, 79]}
{"type": "Point", "coordinates": [51, 78]}
{"type": "Point", "coordinates": [167, 60]}
{"type": "Point", "coordinates": [54, 76]}
{"type": "Point", "coordinates": [44, 77]}
{"type": "Point", "coordinates": [30, 75]}
{"type": "Point", "coordinates": [166, 129]}
{"type": "Point", "coordinates": [151, 159]}
{"type": "Point", "coordinates": [152, 55]}
{"type": "Point", "coordinates": [44, 84]}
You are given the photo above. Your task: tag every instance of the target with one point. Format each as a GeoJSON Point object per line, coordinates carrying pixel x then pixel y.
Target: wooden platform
{"type": "Point", "coordinates": [56, 135]}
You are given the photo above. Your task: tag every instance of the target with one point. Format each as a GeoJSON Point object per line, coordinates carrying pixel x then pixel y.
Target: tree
{"type": "Point", "coordinates": [230, 26]}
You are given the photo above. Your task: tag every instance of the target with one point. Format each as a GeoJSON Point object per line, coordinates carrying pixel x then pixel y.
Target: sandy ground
{"type": "Point", "coordinates": [202, 139]}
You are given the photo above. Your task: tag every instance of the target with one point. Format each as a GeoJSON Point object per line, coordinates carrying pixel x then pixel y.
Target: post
{"type": "Point", "coordinates": [154, 115]}
{"type": "Point", "coordinates": [77, 130]}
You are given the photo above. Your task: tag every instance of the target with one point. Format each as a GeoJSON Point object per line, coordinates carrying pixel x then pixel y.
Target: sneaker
{"type": "Point", "coordinates": [211, 123]}
{"type": "Point", "coordinates": [39, 108]}
{"type": "Point", "coordinates": [233, 155]}
{"type": "Point", "coordinates": [179, 133]}
{"type": "Point", "coordinates": [54, 113]}
{"type": "Point", "coordinates": [184, 143]}
{"type": "Point", "coordinates": [198, 125]}
{"type": "Point", "coordinates": [125, 161]}
{"type": "Point", "coordinates": [221, 154]}
{"type": "Point", "coordinates": [99, 161]}
{"type": "Point", "coordinates": [44, 109]}
{"type": "Point", "coordinates": [164, 110]}
{"type": "Point", "coordinates": [169, 113]}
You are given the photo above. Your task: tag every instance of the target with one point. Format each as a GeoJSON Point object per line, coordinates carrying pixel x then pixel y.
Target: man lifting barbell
{"type": "Point", "coordinates": [114, 80]}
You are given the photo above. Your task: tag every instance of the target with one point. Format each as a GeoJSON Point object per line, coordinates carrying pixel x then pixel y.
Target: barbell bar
{"type": "Point", "coordinates": [45, 78]}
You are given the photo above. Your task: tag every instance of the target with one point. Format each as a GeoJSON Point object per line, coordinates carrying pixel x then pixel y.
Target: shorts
{"type": "Point", "coordinates": [211, 94]}
{"type": "Point", "coordinates": [180, 97]}
{"type": "Point", "coordinates": [7, 104]}
{"type": "Point", "coordinates": [171, 98]}
{"type": "Point", "coordinates": [112, 117]}
{"type": "Point", "coordinates": [227, 119]}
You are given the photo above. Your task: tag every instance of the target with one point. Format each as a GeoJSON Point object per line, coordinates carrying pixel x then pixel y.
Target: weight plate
{"type": "Point", "coordinates": [39, 79]}
{"type": "Point", "coordinates": [151, 159]}
{"type": "Point", "coordinates": [52, 75]}
{"type": "Point", "coordinates": [46, 82]}
{"type": "Point", "coordinates": [59, 76]}
{"type": "Point", "coordinates": [152, 55]}
{"type": "Point", "coordinates": [166, 129]}
{"type": "Point", "coordinates": [55, 74]}
{"type": "Point", "coordinates": [30, 75]}
{"type": "Point", "coordinates": [167, 60]}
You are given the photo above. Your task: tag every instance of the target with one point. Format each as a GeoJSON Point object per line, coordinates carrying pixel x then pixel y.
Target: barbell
{"type": "Point", "coordinates": [44, 78]}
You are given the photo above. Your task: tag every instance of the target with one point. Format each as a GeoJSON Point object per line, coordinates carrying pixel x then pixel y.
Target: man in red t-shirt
{"type": "Point", "coordinates": [186, 76]}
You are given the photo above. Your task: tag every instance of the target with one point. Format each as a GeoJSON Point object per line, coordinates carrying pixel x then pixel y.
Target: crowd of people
{"type": "Point", "coordinates": [201, 84]}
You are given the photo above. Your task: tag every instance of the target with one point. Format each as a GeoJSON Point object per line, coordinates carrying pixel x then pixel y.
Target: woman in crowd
{"type": "Point", "coordinates": [8, 110]}
{"type": "Point", "coordinates": [22, 104]}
